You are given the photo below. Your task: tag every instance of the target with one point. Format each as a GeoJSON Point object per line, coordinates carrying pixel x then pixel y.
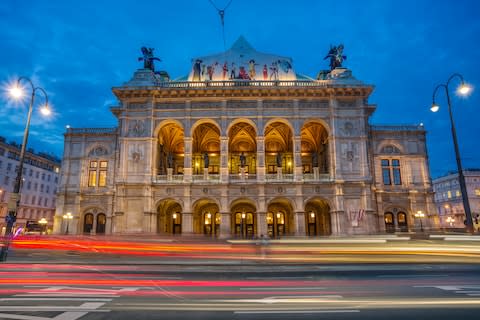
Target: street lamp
{"type": "Point", "coordinates": [43, 222]}
{"type": "Point", "coordinates": [17, 92]}
{"type": "Point", "coordinates": [67, 217]}
{"type": "Point", "coordinates": [463, 89]}
{"type": "Point", "coordinates": [420, 215]}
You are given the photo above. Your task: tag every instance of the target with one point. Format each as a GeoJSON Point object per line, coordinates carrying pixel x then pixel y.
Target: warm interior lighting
{"type": "Point", "coordinates": [464, 89]}
{"type": "Point", "coordinates": [434, 107]}
{"type": "Point", "coordinates": [419, 214]}
{"type": "Point", "coordinates": [312, 214]}
{"type": "Point", "coordinates": [278, 215]}
{"type": "Point", "coordinates": [243, 215]}
{"type": "Point", "coordinates": [174, 216]}
{"type": "Point", "coordinates": [209, 215]}
{"type": "Point", "coordinates": [43, 221]}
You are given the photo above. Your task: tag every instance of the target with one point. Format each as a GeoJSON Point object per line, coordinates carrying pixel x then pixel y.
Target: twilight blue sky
{"type": "Point", "coordinates": [78, 50]}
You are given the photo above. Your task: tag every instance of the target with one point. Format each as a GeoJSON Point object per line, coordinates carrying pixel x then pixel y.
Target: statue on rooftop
{"type": "Point", "coordinates": [336, 56]}
{"type": "Point", "coordinates": [148, 58]}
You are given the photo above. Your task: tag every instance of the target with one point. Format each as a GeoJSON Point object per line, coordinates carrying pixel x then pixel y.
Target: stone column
{"type": "Point", "coordinates": [225, 225]}
{"type": "Point", "coordinates": [187, 162]}
{"type": "Point", "coordinates": [260, 158]}
{"type": "Point", "coordinates": [187, 223]}
{"type": "Point", "coordinates": [224, 175]}
{"type": "Point", "coordinates": [297, 159]}
{"type": "Point", "coordinates": [300, 223]}
{"type": "Point", "coordinates": [261, 223]}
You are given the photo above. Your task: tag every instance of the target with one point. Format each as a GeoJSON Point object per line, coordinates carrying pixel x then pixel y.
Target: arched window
{"type": "Point", "coordinates": [389, 222]}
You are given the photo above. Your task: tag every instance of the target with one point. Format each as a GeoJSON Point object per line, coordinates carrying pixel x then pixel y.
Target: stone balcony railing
{"type": "Point", "coordinates": [238, 178]}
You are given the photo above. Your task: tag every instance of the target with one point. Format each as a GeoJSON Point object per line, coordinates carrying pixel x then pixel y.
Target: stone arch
{"type": "Point", "coordinates": [279, 136]}
{"type": "Point", "coordinates": [204, 121]}
{"type": "Point", "coordinates": [170, 147]}
{"type": "Point", "coordinates": [169, 216]}
{"type": "Point", "coordinates": [387, 143]}
{"type": "Point", "coordinates": [314, 149]}
{"type": "Point", "coordinates": [318, 217]}
{"type": "Point", "coordinates": [239, 120]}
{"type": "Point", "coordinates": [162, 123]}
{"type": "Point", "coordinates": [242, 147]}
{"type": "Point", "coordinates": [98, 150]}
{"type": "Point", "coordinates": [206, 147]}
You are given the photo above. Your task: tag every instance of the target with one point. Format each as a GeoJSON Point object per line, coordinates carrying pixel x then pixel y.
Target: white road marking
{"type": "Point", "coordinates": [297, 311]}
{"type": "Point", "coordinates": [87, 307]}
{"type": "Point", "coordinates": [62, 316]}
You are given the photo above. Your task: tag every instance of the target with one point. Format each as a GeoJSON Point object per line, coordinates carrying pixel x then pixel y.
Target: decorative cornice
{"type": "Point", "coordinates": [225, 90]}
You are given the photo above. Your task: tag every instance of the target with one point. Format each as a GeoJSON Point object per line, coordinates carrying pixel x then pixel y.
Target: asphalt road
{"type": "Point", "coordinates": [262, 291]}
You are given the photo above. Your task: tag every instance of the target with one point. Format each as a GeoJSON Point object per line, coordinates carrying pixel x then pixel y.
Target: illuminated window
{"type": "Point", "coordinates": [449, 194]}
{"type": "Point", "coordinates": [97, 173]}
{"type": "Point", "coordinates": [457, 193]}
{"type": "Point", "coordinates": [477, 192]}
{"type": "Point", "coordinates": [391, 169]}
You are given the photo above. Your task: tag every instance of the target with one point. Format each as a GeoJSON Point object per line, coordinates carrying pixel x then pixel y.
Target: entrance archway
{"type": "Point", "coordinates": [402, 221]}
{"type": "Point", "coordinates": [169, 217]}
{"type": "Point", "coordinates": [244, 220]}
{"type": "Point", "coordinates": [101, 222]}
{"type": "Point", "coordinates": [317, 218]}
{"type": "Point", "coordinates": [88, 223]}
{"type": "Point", "coordinates": [279, 218]}
{"type": "Point", "coordinates": [389, 222]}
{"type": "Point", "coordinates": [206, 218]}
{"type": "Point", "coordinates": [278, 147]}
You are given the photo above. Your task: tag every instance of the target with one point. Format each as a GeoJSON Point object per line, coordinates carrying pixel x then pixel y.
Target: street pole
{"type": "Point", "coordinates": [14, 201]}
{"type": "Point", "coordinates": [463, 89]}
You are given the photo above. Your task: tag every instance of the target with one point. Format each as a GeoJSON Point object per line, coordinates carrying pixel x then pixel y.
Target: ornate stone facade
{"type": "Point", "coordinates": [313, 165]}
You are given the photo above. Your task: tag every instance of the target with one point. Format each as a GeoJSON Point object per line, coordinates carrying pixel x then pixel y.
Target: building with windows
{"type": "Point", "coordinates": [448, 198]}
{"type": "Point", "coordinates": [39, 186]}
{"type": "Point", "coordinates": [245, 146]}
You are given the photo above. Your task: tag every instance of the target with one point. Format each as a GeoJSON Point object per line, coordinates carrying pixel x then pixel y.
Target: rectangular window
{"type": "Point", "coordinates": [93, 164]}
{"type": "Point", "coordinates": [37, 174]}
{"type": "Point", "coordinates": [48, 189]}
{"type": "Point", "coordinates": [41, 188]}
{"type": "Point", "coordinates": [103, 164]}
{"type": "Point", "coordinates": [30, 173]}
{"type": "Point", "coordinates": [45, 203]}
{"type": "Point", "coordinates": [386, 172]}
{"type": "Point", "coordinates": [39, 201]}
{"type": "Point", "coordinates": [43, 176]}
{"type": "Point", "coordinates": [29, 185]}
{"type": "Point", "coordinates": [48, 178]}
{"type": "Point", "coordinates": [449, 194]}
{"type": "Point", "coordinates": [477, 192]}
{"type": "Point", "coordinates": [457, 193]}
{"type": "Point", "coordinates": [9, 166]}
{"type": "Point", "coordinates": [92, 178]}
{"type": "Point", "coordinates": [397, 180]}
{"type": "Point", "coordinates": [102, 178]}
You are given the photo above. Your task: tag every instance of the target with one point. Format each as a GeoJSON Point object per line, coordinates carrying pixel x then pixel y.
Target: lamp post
{"type": "Point", "coordinates": [43, 222]}
{"type": "Point", "coordinates": [67, 217]}
{"type": "Point", "coordinates": [463, 89]}
{"type": "Point", "coordinates": [420, 215]}
{"type": "Point", "coordinates": [14, 202]}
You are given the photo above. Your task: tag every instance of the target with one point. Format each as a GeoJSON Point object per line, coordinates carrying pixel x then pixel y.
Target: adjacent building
{"type": "Point", "coordinates": [39, 184]}
{"type": "Point", "coordinates": [448, 197]}
{"type": "Point", "coordinates": [245, 146]}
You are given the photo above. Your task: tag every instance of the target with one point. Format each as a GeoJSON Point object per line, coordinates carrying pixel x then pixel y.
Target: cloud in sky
{"type": "Point", "coordinates": [78, 50]}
